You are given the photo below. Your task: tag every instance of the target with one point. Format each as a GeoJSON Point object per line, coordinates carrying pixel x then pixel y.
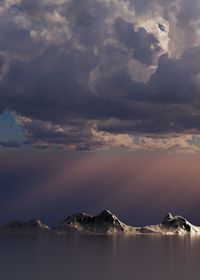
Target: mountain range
{"type": "Point", "coordinates": [103, 223]}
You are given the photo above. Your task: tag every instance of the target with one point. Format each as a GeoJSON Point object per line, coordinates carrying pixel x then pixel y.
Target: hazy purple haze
{"type": "Point", "coordinates": [139, 188]}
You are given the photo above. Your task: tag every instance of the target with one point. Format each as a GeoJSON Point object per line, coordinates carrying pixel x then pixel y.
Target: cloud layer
{"type": "Point", "coordinates": [97, 74]}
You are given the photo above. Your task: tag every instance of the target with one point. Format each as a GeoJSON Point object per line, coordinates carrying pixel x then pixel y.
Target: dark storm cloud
{"type": "Point", "coordinates": [10, 144]}
{"type": "Point", "coordinates": [72, 69]}
{"type": "Point", "coordinates": [143, 44]}
{"type": "Point", "coordinates": [54, 87]}
{"type": "Point", "coordinates": [174, 80]}
{"type": "Point", "coordinates": [74, 135]}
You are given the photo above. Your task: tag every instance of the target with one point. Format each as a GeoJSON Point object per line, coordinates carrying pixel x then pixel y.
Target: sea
{"type": "Point", "coordinates": [98, 257]}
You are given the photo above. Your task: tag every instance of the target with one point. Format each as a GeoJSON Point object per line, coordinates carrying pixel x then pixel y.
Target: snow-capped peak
{"type": "Point", "coordinates": [106, 213]}
{"type": "Point", "coordinates": [177, 223]}
{"type": "Point", "coordinates": [168, 217]}
{"type": "Point", "coordinates": [105, 222]}
{"type": "Point", "coordinates": [37, 223]}
{"type": "Point", "coordinates": [172, 225]}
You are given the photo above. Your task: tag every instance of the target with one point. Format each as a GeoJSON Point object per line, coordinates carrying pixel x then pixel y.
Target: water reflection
{"type": "Point", "coordinates": [86, 257]}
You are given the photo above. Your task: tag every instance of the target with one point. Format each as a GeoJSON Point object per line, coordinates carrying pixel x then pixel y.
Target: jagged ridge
{"type": "Point", "coordinates": [172, 225]}
{"type": "Point", "coordinates": [105, 222]}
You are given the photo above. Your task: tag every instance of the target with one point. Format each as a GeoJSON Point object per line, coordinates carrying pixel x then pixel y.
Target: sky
{"type": "Point", "coordinates": [140, 188]}
{"type": "Point", "coordinates": [86, 79]}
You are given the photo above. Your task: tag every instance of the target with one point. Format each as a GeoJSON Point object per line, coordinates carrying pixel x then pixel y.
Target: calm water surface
{"type": "Point", "coordinates": [99, 257]}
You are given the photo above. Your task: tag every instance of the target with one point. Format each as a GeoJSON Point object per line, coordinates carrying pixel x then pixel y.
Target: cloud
{"type": "Point", "coordinates": [10, 144]}
{"type": "Point", "coordinates": [144, 45]}
{"type": "Point", "coordinates": [77, 135]}
{"type": "Point", "coordinates": [95, 74]}
{"type": "Point", "coordinates": [84, 136]}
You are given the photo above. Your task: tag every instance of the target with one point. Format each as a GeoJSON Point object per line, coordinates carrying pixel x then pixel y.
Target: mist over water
{"type": "Point", "coordinates": [87, 257]}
